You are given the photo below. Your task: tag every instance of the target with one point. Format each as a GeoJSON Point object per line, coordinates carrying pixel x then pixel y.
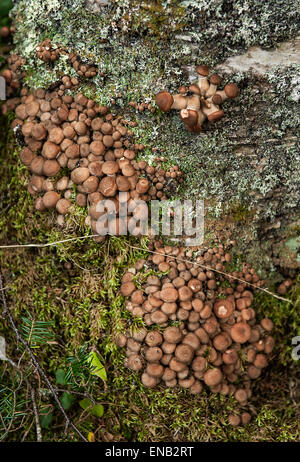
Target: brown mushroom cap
{"type": "Point", "coordinates": [192, 340]}
{"type": "Point", "coordinates": [184, 353]}
{"type": "Point", "coordinates": [195, 89]}
{"type": "Point", "coordinates": [240, 332]}
{"type": "Point", "coordinates": [168, 374]}
{"type": "Point", "coordinates": [62, 206]}
{"type": "Point", "coordinates": [127, 288]}
{"type": "Point", "coordinates": [153, 338]}
{"type": "Point", "coordinates": [168, 348]}
{"type": "Point", "coordinates": [176, 365]}
{"type": "Point", "coordinates": [56, 135]}
{"type": "Point", "coordinates": [187, 382]}
{"type": "Point", "coordinates": [221, 341]}
{"type": "Point", "coordinates": [217, 115]}
{"type": "Point", "coordinates": [121, 340]}
{"type": "Point", "coordinates": [155, 369]}
{"type": "Point", "coordinates": [26, 156]}
{"type": "Point", "coordinates": [230, 356]}
{"type": "Point", "coordinates": [38, 132]}
{"type": "Point", "coordinates": [215, 79]}
{"type": "Point", "coordinates": [50, 199]}
{"type": "Point", "coordinates": [185, 293]}
{"type": "Point", "coordinates": [50, 150]}
{"type": "Point", "coordinates": [39, 204]}
{"type": "Point", "coordinates": [245, 418]}
{"type": "Point", "coordinates": [172, 334]}
{"type": "Point", "coordinates": [164, 101]}
{"type": "Point", "coordinates": [148, 381]}
{"type": "Point", "coordinates": [202, 70]}
{"type": "Point", "coordinates": [51, 167]}
{"type": "Point", "coordinates": [110, 167]}
{"type": "Point", "coordinates": [80, 174]}
{"type": "Point", "coordinates": [169, 294]}
{"type": "Point", "coordinates": [267, 324]}
{"type": "Point", "coordinates": [153, 354]}
{"type": "Point", "coordinates": [199, 364]}
{"type": "Point", "coordinates": [189, 117]}
{"type": "Point", "coordinates": [196, 387]}
{"type": "Point", "coordinates": [231, 90]}
{"type": "Point", "coordinates": [253, 372]}
{"type": "Point", "coordinates": [217, 99]}
{"type": "Point", "coordinates": [241, 395]}
{"type": "Point", "coordinates": [158, 317]}
{"type": "Point", "coordinates": [234, 420]}
{"type": "Point", "coordinates": [108, 186]}
{"type": "Point", "coordinates": [223, 308]}
{"type": "Point", "coordinates": [260, 361]}
{"type": "Point", "coordinates": [213, 377]}
{"type": "Point", "coordinates": [135, 362]}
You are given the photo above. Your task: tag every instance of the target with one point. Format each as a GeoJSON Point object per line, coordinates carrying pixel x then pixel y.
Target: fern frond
{"type": "Point", "coordinates": [36, 332]}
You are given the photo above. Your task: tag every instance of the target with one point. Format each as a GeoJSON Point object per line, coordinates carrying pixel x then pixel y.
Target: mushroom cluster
{"type": "Point", "coordinates": [83, 69]}
{"type": "Point", "coordinates": [203, 328]}
{"type": "Point", "coordinates": [200, 101]}
{"type": "Point", "coordinates": [284, 286]}
{"type": "Point", "coordinates": [141, 107]}
{"type": "Point", "coordinates": [13, 74]}
{"type": "Point", "coordinates": [164, 182]}
{"type": "Point", "coordinates": [45, 51]}
{"type": "Point", "coordinates": [59, 131]}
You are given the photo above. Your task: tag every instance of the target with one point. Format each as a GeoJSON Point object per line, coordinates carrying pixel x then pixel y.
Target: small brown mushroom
{"type": "Point", "coordinates": [50, 199]}
{"type": "Point", "coordinates": [184, 353]}
{"type": "Point", "coordinates": [203, 83]}
{"type": "Point", "coordinates": [213, 377]}
{"type": "Point", "coordinates": [214, 80]}
{"type": "Point", "coordinates": [135, 362]}
{"type": "Point", "coordinates": [153, 338]}
{"type": "Point", "coordinates": [172, 334]}
{"type": "Point", "coordinates": [223, 308]}
{"type": "Point", "coordinates": [149, 381]}
{"type": "Point", "coordinates": [240, 332]}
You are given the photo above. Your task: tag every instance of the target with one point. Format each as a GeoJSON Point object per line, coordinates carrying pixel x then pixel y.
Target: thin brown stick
{"type": "Point", "coordinates": [211, 269]}
{"type": "Point", "coordinates": [7, 313]}
{"type": "Point", "coordinates": [37, 417]}
{"type": "Point", "coordinates": [48, 244]}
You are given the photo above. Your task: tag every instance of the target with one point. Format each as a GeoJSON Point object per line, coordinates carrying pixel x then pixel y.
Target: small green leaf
{"type": "Point", "coordinates": [61, 377]}
{"type": "Point", "coordinates": [97, 367]}
{"type": "Point", "coordinates": [67, 400]}
{"type": "Point", "coordinates": [85, 403]}
{"type": "Point", "coordinates": [94, 409]}
{"type": "Point", "coordinates": [46, 417]}
{"type": "Point", "coordinates": [98, 410]}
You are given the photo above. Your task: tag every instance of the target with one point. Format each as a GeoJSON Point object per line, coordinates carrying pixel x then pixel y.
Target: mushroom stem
{"type": "Point", "coordinates": [193, 102]}
{"type": "Point", "coordinates": [179, 102]}
{"type": "Point", "coordinates": [230, 91]}
{"type": "Point", "coordinates": [211, 90]}
{"type": "Point", "coordinates": [215, 80]}
{"type": "Point", "coordinates": [203, 84]}
{"type": "Point", "coordinates": [201, 118]}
